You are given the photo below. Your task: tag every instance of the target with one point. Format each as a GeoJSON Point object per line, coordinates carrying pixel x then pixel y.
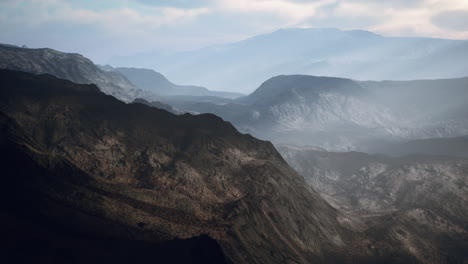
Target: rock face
{"type": "Point", "coordinates": [73, 67]}
{"type": "Point", "coordinates": [80, 162]}
{"type": "Point", "coordinates": [343, 114]}
{"type": "Point", "coordinates": [357, 54]}
{"type": "Point", "coordinates": [417, 200]}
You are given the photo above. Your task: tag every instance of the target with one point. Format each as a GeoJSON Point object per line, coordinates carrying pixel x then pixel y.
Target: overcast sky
{"type": "Point", "coordinates": [100, 29]}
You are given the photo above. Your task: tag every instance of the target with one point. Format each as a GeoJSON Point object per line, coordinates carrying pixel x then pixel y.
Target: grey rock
{"type": "Point", "coordinates": [70, 66]}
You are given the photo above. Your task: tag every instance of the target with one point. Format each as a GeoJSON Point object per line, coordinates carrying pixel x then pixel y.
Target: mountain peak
{"type": "Point", "coordinates": [282, 84]}
{"type": "Point", "coordinates": [331, 30]}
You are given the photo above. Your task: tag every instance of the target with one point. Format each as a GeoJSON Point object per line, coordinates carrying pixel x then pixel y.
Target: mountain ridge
{"type": "Point", "coordinates": [150, 80]}
{"type": "Point", "coordinates": [112, 169]}
{"type": "Point", "coordinates": [344, 114]}
{"type": "Point", "coordinates": [71, 66]}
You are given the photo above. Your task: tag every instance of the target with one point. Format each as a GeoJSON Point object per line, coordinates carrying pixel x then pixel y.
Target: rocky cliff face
{"type": "Point", "coordinates": [417, 200]}
{"type": "Point", "coordinates": [73, 67]}
{"type": "Point", "coordinates": [81, 162]}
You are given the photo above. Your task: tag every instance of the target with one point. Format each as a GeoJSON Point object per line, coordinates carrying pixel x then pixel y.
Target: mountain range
{"type": "Point", "coordinates": [357, 54]}
{"type": "Point", "coordinates": [70, 66]}
{"type": "Point", "coordinates": [332, 113]}
{"type": "Point", "coordinates": [152, 81]}
{"type": "Point", "coordinates": [344, 114]}
{"type": "Point", "coordinates": [126, 84]}
{"type": "Point", "coordinates": [98, 175]}
{"type": "Point", "coordinates": [107, 164]}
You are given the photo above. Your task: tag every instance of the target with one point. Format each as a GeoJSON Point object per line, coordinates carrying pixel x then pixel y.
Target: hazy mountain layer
{"type": "Point", "coordinates": [421, 200]}
{"type": "Point", "coordinates": [152, 81]}
{"type": "Point", "coordinates": [70, 66]}
{"type": "Point", "coordinates": [457, 146]}
{"type": "Point", "coordinates": [343, 114]}
{"type": "Point", "coordinates": [244, 65]}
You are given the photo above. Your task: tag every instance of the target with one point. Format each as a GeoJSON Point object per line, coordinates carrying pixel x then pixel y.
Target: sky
{"type": "Point", "coordinates": [101, 29]}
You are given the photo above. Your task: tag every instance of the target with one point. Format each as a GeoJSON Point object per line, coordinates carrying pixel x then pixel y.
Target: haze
{"type": "Point", "coordinates": [101, 30]}
{"type": "Point", "coordinates": [234, 131]}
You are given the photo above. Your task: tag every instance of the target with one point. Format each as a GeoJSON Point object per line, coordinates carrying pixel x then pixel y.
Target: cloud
{"type": "Point", "coordinates": [394, 18]}
{"type": "Point", "coordinates": [295, 12]}
{"type": "Point", "coordinates": [98, 32]}
{"type": "Point", "coordinates": [121, 19]}
{"type": "Point", "coordinates": [411, 18]}
{"type": "Point", "coordinates": [104, 28]}
{"type": "Point", "coordinates": [177, 3]}
{"type": "Point", "coordinates": [454, 19]}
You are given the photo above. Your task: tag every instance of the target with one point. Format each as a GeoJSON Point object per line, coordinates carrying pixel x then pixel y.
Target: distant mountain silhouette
{"type": "Point", "coordinates": [126, 84]}
{"type": "Point", "coordinates": [357, 54]}
{"type": "Point", "coordinates": [153, 81]}
{"type": "Point", "coordinates": [456, 146]}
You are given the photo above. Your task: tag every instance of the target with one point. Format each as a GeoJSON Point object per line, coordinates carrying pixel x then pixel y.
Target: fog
{"type": "Point", "coordinates": [342, 114]}
{"type": "Point", "coordinates": [393, 90]}
{"type": "Point", "coordinates": [362, 55]}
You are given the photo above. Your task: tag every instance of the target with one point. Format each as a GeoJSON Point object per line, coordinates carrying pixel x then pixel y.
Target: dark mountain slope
{"type": "Point", "coordinates": [158, 105]}
{"type": "Point", "coordinates": [38, 226]}
{"type": "Point", "coordinates": [80, 161]}
{"type": "Point", "coordinates": [70, 66]}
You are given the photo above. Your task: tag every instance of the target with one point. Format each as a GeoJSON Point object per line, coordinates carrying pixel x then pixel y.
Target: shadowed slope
{"type": "Point", "coordinates": [130, 172]}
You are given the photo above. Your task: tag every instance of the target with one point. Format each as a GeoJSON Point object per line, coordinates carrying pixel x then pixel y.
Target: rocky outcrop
{"type": "Point", "coordinates": [418, 202]}
{"type": "Point", "coordinates": [70, 66]}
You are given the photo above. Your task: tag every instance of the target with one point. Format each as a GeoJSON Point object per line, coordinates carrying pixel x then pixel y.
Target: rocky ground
{"type": "Point", "coordinates": [418, 200]}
